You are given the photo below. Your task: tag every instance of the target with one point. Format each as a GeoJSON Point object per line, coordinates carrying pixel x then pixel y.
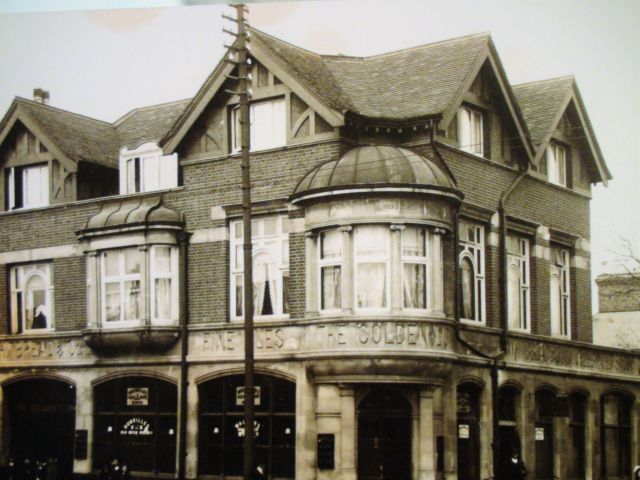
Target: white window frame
{"type": "Point", "coordinates": [360, 259]}
{"type": "Point", "coordinates": [557, 164]}
{"type": "Point", "coordinates": [561, 325]}
{"type": "Point", "coordinates": [20, 276]}
{"type": "Point", "coordinates": [148, 157]}
{"type": "Point", "coordinates": [520, 262]}
{"type": "Point", "coordinates": [171, 275]}
{"type": "Point", "coordinates": [121, 278]}
{"type": "Point", "coordinates": [41, 187]}
{"type": "Point", "coordinates": [468, 118]}
{"type": "Point", "coordinates": [419, 260]}
{"type": "Point", "coordinates": [276, 245]}
{"type": "Point", "coordinates": [330, 262]}
{"type": "Point", "coordinates": [473, 249]}
{"type": "Point", "coordinates": [277, 124]}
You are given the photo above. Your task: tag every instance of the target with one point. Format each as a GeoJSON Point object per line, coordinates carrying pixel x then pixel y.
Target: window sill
{"type": "Point", "coordinates": [262, 318]}
{"type": "Point", "coordinates": [131, 338]}
{"type": "Point", "coordinates": [37, 331]}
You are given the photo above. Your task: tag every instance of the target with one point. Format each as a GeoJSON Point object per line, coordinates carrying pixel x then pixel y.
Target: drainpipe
{"type": "Point", "coordinates": [184, 351]}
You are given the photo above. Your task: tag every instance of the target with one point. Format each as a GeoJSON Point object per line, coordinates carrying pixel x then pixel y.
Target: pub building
{"type": "Point", "coordinates": [421, 277]}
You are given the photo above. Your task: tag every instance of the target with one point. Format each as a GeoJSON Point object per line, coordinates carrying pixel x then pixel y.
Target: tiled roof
{"type": "Point", "coordinates": [80, 138]}
{"type": "Point", "coordinates": [409, 83]}
{"type": "Point", "coordinates": [148, 124]}
{"type": "Point", "coordinates": [540, 101]}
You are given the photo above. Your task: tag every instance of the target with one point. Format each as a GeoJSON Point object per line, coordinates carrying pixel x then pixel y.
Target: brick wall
{"type": "Point", "coordinates": [540, 297]}
{"type": "Point", "coordinates": [581, 315]}
{"type": "Point", "coordinates": [297, 269]}
{"type": "Point", "coordinates": [70, 297]}
{"type": "Point", "coordinates": [208, 282]}
{"type": "Point", "coordinates": [4, 300]}
{"type": "Point", "coordinates": [492, 286]}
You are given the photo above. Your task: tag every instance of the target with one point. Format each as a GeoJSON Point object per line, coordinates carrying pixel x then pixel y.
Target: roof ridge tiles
{"type": "Point", "coordinates": [277, 39]}
{"type": "Point", "coordinates": [61, 110]}
{"type": "Point", "coordinates": [546, 80]}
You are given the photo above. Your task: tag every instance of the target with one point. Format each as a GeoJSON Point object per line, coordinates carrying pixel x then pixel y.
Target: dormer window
{"type": "Point", "coordinates": [470, 131]}
{"type": "Point", "coordinates": [145, 169]}
{"type": "Point", "coordinates": [268, 125]}
{"type": "Point", "coordinates": [27, 187]}
{"type": "Point", "coordinates": [557, 164]}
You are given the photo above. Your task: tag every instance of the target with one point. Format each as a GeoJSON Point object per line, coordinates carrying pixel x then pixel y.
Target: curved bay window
{"type": "Point", "coordinates": [471, 260]}
{"type": "Point", "coordinates": [544, 434]}
{"type": "Point", "coordinates": [222, 429]}
{"type": "Point", "coordinates": [468, 405]}
{"type": "Point", "coordinates": [135, 422]}
{"type": "Point", "coordinates": [615, 425]}
{"type": "Point", "coordinates": [577, 439]}
{"type": "Point", "coordinates": [371, 253]}
{"type": "Point", "coordinates": [414, 267]}
{"type": "Point", "coordinates": [270, 267]}
{"type": "Point", "coordinates": [31, 298]}
{"type": "Point", "coordinates": [330, 266]}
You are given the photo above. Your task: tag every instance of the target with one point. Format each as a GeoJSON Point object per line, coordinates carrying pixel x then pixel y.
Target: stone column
{"type": "Point", "coordinates": [191, 465]}
{"type": "Point", "coordinates": [306, 431]}
{"type": "Point", "coordinates": [396, 268]}
{"type": "Point", "coordinates": [311, 249]}
{"type": "Point", "coordinates": [592, 437]}
{"type": "Point", "coordinates": [426, 458]}
{"type": "Point", "coordinates": [437, 273]}
{"type": "Point", "coordinates": [84, 420]}
{"type": "Point", "coordinates": [347, 434]}
{"type": "Point", "coordinates": [347, 265]}
{"type": "Point", "coordinates": [450, 427]}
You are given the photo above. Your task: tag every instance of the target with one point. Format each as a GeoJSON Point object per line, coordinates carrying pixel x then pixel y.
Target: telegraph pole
{"type": "Point", "coordinates": [243, 80]}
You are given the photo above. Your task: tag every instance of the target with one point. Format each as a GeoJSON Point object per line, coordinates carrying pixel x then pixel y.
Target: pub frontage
{"type": "Point", "coordinates": [421, 278]}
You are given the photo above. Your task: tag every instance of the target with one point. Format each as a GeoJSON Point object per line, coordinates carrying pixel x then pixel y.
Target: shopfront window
{"type": "Point", "coordinates": [543, 434]}
{"type": "Point", "coordinates": [577, 440]}
{"type": "Point", "coordinates": [616, 435]}
{"type": "Point", "coordinates": [221, 428]}
{"type": "Point", "coordinates": [135, 422]}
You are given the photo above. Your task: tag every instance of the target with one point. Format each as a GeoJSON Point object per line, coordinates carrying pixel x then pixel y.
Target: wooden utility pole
{"type": "Point", "coordinates": [243, 80]}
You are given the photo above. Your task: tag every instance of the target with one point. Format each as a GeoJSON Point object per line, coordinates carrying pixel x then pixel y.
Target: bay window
{"type": "Point", "coordinates": [518, 283]}
{"type": "Point", "coordinates": [378, 268]}
{"type": "Point", "coordinates": [471, 261]}
{"type": "Point", "coordinates": [270, 267]}
{"type": "Point", "coordinates": [129, 291]}
{"type": "Point", "coordinates": [414, 267]}
{"type": "Point", "coordinates": [470, 131]}
{"type": "Point", "coordinates": [31, 298]}
{"type": "Point", "coordinates": [557, 164]}
{"type": "Point", "coordinates": [27, 187]}
{"type": "Point", "coordinates": [559, 295]}
{"type": "Point", "coordinates": [268, 125]}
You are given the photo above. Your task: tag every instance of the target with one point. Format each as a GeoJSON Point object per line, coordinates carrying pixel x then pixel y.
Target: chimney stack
{"type": "Point", "coordinates": [41, 96]}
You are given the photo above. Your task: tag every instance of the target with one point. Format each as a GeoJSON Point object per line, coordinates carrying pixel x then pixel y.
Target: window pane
{"type": "Point", "coordinates": [468, 290]}
{"type": "Point", "coordinates": [514, 297]}
{"type": "Point", "coordinates": [331, 285]}
{"type": "Point", "coordinates": [415, 285]}
{"type": "Point", "coordinates": [413, 242]}
{"type": "Point", "coordinates": [239, 294]}
{"type": "Point", "coordinates": [132, 261]}
{"type": "Point", "coordinates": [371, 241]}
{"type": "Point", "coordinates": [330, 244]}
{"type": "Point", "coordinates": [372, 287]}
{"type": "Point", "coordinates": [285, 292]}
{"type": "Point", "coordinates": [270, 226]}
{"type": "Point", "coordinates": [264, 285]}
{"type": "Point", "coordinates": [36, 309]}
{"type": "Point", "coordinates": [555, 306]}
{"type": "Point", "coordinates": [111, 263]}
{"type": "Point", "coordinates": [162, 259]}
{"type": "Point", "coordinates": [112, 301]}
{"type": "Point", "coordinates": [132, 300]}
{"type": "Point", "coordinates": [162, 308]}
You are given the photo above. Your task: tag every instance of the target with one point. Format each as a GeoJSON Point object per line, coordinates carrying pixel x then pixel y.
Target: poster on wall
{"type": "Point", "coordinates": [240, 396]}
{"type": "Point", "coordinates": [539, 434]}
{"type": "Point", "coordinates": [463, 431]}
{"type": "Point", "coordinates": [137, 396]}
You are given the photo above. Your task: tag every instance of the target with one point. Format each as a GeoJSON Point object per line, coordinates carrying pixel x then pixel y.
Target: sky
{"type": "Point", "coordinates": [105, 61]}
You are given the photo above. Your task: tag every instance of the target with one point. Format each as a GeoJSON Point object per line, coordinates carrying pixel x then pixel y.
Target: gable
{"type": "Point", "coordinates": [210, 133]}
{"type": "Point", "coordinates": [487, 91]}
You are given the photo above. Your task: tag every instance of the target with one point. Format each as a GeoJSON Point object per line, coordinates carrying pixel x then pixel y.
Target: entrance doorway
{"type": "Point", "coordinates": [468, 404]}
{"type": "Point", "coordinates": [42, 421]}
{"type": "Point", "coordinates": [384, 436]}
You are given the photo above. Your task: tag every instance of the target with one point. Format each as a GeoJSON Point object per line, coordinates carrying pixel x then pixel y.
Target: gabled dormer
{"type": "Point", "coordinates": [50, 156]}
{"type": "Point", "coordinates": [484, 119]}
{"type": "Point", "coordinates": [567, 152]}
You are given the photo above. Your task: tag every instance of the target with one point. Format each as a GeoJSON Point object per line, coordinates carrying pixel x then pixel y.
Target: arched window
{"type": "Point", "coordinates": [31, 298]}
{"type": "Point", "coordinates": [221, 426]}
{"type": "Point", "coordinates": [472, 271]}
{"type": "Point", "coordinates": [467, 273]}
{"type": "Point", "coordinates": [135, 422]}
{"type": "Point", "coordinates": [518, 283]}
{"type": "Point", "coordinates": [544, 434]}
{"type": "Point", "coordinates": [615, 423]}
{"type": "Point", "coordinates": [577, 439]}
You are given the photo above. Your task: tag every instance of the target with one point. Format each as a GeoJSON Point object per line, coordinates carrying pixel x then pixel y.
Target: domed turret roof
{"type": "Point", "coordinates": [385, 168]}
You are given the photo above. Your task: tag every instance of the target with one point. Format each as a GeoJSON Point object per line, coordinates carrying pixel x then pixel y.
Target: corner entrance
{"type": "Point", "coordinates": [41, 420]}
{"type": "Point", "coordinates": [384, 436]}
